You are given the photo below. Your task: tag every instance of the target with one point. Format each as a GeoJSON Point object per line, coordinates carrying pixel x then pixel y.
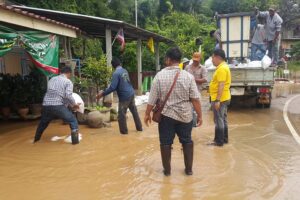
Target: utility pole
{"type": "Point", "coordinates": [136, 16]}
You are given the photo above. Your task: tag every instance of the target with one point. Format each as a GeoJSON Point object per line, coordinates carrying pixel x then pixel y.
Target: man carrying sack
{"type": "Point", "coordinates": [172, 93]}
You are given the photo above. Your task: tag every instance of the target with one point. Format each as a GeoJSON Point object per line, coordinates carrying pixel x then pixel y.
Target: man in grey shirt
{"type": "Point", "coordinates": [273, 28]}
{"type": "Point", "coordinates": [258, 47]}
{"type": "Point", "coordinates": [59, 93]}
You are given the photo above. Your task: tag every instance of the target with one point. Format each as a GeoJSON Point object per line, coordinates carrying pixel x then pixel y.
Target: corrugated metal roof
{"type": "Point", "coordinates": [95, 26]}
{"type": "Point", "coordinates": [36, 16]}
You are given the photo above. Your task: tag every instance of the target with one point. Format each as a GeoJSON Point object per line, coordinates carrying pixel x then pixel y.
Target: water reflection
{"type": "Point", "coordinates": [260, 162]}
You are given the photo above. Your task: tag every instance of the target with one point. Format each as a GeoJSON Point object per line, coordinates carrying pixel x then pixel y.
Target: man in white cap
{"type": "Point", "coordinates": [273, 28]}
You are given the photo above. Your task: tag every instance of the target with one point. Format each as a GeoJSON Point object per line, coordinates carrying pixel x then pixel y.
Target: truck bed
{"type": "Point", "coordinates": [248, 76]}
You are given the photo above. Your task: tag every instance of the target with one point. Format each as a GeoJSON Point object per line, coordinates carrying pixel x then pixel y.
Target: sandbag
{"type": "Point", "coordinates": [266, 61]}
{"type": "Point", "coordinates": [78, 100]}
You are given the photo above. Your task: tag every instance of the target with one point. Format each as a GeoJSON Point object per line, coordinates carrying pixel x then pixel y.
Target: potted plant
{"type": "Point", "coordinates": [21, 94]}
{"type": "Point", "coordinates": [99, 75]}
{"type": "Point", "coordinates": [5, 94]}
{"type": "Point", "coordinates": [38, 88]}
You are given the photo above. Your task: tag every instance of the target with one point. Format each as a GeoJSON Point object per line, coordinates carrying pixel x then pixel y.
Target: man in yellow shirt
{"type": "Point", "coordinates": [219, 90]}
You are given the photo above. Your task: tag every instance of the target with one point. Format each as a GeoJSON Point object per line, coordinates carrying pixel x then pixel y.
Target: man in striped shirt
{"type": "Point", "coordinates": [177, 113]}
{"type": "Point", "coordinates": [59, 94]}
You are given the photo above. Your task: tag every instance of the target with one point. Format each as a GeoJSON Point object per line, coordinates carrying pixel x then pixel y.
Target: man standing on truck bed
{"type": "Point", "coordinates": [273, 28]}
{"type": "Point", "coordinates": [219, 90]}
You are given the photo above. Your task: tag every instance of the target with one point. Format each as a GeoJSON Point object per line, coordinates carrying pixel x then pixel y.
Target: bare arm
{"type": "Point", "coordinates": [200, 80]}
{"type": "Point", "coordinates": [147, 118]}
{"type": "Point", "coordinates": [197, 106]}
{"type": "Point", "coordinates": [220, 90]}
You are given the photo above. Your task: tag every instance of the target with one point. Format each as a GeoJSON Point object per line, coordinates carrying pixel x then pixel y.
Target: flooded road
{"type": "Point", "coordinates": [261, 161]}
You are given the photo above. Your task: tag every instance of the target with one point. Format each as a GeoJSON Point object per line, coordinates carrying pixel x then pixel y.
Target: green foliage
{"type": "Point", "coordinates": [21, 92]}
{"type": "Point", "coordinates": [5, 90]}
{"type": "Point", "coordinates": [184, 29]}
{"type": "Point", "coordinates": [294, 65]}
{"type": "Point", "coordinates": [93, 48]}
{"type": "Point", "coordinates": [97, 71]}
{"type": "Point", "coordinates": [296, 51]}
{"type": "Point", "coordinates": [231, 6]}
{"type": "Point", "coordinates": [38, 86]}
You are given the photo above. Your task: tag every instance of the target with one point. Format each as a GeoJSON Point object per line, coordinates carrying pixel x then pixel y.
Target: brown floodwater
{"type": "Point", "coordinates": [261, 161]}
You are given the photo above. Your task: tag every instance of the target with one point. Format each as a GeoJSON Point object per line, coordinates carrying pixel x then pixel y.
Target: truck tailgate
{"type": "Point", "coordinates": [251, 76]}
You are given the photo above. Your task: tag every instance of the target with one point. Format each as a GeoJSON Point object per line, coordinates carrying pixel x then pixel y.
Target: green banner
{"type": "Point", "coordinates": [42, 48]}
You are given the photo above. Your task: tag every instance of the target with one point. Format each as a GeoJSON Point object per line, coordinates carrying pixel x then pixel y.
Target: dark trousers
{"type": "Point", "coordinates": [56, 112]}
{"type": "Point", "coordinates": [273, 51]}
{"type": "Point", "coordinates": [221, 125]}
{"type": "Point", "coordinates": [123, 106]}
{"type": "Point", "coordinates": [168, 127]}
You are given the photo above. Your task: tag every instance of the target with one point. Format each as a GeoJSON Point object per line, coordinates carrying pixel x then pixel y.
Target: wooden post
{"type": "Point", "coordinates": [83, 48]}
{"type": "Point", "coordinates": [108, 45]}
{"type": "Point", "coordinates": [107, 100]}
{"type": "Point", "coordinates": [69, 49]}
{"type": "Point", "coordinates": [65, 47]}
{"type": "Point", "coordinates": [139, 65]}
{"type": "Point", "coordinates": [157, 65]}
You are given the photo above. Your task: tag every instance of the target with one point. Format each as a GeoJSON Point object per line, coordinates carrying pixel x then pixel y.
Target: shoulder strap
{"type": "Point", "coordinates": [170, 91]}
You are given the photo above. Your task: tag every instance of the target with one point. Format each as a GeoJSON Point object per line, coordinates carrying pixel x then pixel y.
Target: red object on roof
{"type": "Point", "coordinates": [32, 15]}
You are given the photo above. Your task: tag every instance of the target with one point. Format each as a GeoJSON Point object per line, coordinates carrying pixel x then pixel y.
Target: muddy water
{"type": "Point", "coordinates": [261, 162]}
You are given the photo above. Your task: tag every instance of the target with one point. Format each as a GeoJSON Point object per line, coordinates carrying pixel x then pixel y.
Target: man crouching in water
{"type": "Point", "coordinates": [177, 114]}
{"type": "Point", "coordinates": [59, 92]}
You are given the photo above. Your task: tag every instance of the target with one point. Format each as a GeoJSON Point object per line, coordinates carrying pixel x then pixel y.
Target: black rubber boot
{"type": "Point", "coordinates": [188, 152]}
{"type": "Point", "coordinates": [166, 158]}
{"type": "Point", "coordinates": [74, 137]}
{"type": "Point", "coordinates": [37, 137]}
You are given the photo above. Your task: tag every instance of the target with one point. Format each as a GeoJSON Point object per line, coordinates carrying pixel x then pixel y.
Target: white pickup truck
{"type": "Point", "coordinates": [253, 81]}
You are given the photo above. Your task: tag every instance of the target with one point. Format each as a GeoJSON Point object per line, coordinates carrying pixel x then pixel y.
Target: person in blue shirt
{"type": "Point", "coordinates": [121, 83]}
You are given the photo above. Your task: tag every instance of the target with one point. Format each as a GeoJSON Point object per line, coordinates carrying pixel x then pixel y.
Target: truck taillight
{"type": "Point", "coordinates": [263, 90]}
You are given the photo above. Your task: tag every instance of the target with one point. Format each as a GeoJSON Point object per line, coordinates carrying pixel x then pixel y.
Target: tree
{"type": "Point", "coordinates": [98, 72]}
{"type": "Point", "coordinates": [289, 10]}
{"type": "Point", "coordinates": [232, 6]}
{"type": "Point", "coordinates": [184, 29]}
{"type": "Point", "coordinates": [296, 51]}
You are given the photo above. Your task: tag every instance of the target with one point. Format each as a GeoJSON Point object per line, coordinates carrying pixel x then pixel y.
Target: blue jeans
{"type": "Point", "coordinates": [257, 51]}
{"type": "Point", "coordinates": [221, 125]}
{"type": "Point", "coordinates": [123, 107]}
{"type": "Point", "coordinates": [168, 127]}
{"type": "Point", "coordinates": [55, 112]}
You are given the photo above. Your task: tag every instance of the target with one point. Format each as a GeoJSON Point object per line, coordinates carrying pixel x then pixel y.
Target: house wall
{"type": "Point", "coordinates": [16, 62]}
{"type": "Point", "coordinates": [12, 63]}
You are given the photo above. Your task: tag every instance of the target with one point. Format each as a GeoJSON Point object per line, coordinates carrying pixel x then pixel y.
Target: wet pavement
{"type": "Point", "coordinates": [261, 160]}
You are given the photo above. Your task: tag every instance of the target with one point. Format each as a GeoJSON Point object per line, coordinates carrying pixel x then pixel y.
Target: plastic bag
{"type": "Point", "coordinates": [78, 99]}
{"type": "Point", "coordinates": [266, 61]}
{"type": "Point", "coordinates": [255, 63]}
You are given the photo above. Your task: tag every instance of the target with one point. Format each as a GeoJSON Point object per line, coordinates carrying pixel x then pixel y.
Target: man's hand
{"type": "Point", "coordinates": [99, 95]}
{"type": "Point", "coordinates": [217, 105]}
{"type": "Point", "coordinates": [199, 121]}
{"type": "Point", "coordinates": [274, 40]}
{"type": "Point", "coordinates": [147, 119]}
{"type": "Point", "coordinates": [76, 106]}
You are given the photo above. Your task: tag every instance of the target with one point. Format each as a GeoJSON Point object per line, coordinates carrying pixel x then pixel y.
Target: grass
{"type": "Point", "coordinates": [294, 65]}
